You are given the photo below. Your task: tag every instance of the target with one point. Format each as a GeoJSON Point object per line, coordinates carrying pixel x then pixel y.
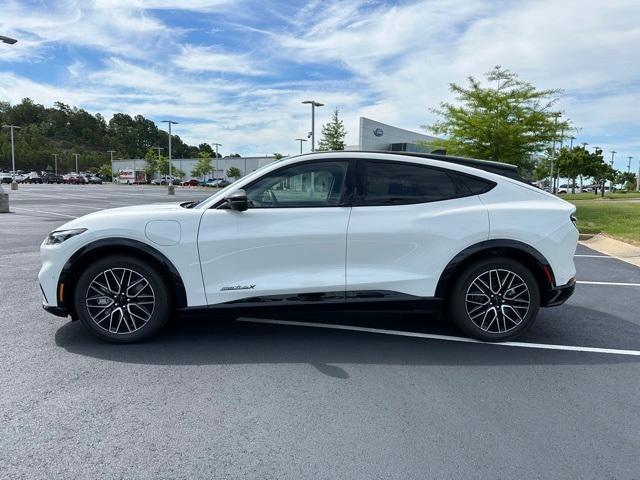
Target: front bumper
{"type": "Point", "coordinates": [558, 295]}
{"type": "Point", "coordinates": [57, 311]}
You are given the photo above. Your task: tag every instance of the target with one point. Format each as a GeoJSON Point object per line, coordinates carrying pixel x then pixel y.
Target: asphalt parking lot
{"type": "Point", "coordinates": [260, 399]}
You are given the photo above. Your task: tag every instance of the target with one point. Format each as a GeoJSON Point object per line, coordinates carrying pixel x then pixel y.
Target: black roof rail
{"type": "Point", "coordinates": [499, 168]}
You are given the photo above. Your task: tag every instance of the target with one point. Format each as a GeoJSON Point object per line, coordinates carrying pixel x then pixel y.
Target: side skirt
{"type": "Point", "coordinates": [366, 300]}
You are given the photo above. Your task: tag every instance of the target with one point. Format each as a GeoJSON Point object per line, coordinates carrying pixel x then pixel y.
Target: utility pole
{"type": "Point", "coordinates": [76, 155]}
{"type": "Point", "coordinates": [215, 168]}
{"type": "Point", "coordinates": [313, 104]}
{"type": "Point", "coordinates": [638, 178]}
{"type": "Point", "coordinates": [301, 140]}
{"type": "Point", "coordinates": [553, 153]}
{"type": "Point", "coordinates": [159, 149]}
{"type": "Point", "coordinates": [170, 189]}
{"type": "Point", "coordinates": [613, 153]}
{"type": "Point", "coordinates": [629, 164]}
{"type": "Point", "coordinates": [571, 139]}
{"type": "Point", "coordinates": [55, 163]}
{"type": "Point", "coordinates": [111, 152]}
{"type": "Point", "coordinates": [14, 184]}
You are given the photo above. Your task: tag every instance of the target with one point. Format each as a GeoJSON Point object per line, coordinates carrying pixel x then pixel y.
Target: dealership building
{"type": "Point", "coordinates": [372, 135]}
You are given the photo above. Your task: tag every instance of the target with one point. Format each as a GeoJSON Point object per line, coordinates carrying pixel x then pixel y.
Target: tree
{"type": "Point", "coordinates": [234, 172]}
{"type": "Point", "coordinates": [572, 164]}
{"type": "Point", "coordinates": [278, 156]}
{"type": "Point", "coordinates": [151, 162]}
{"type": "Point", "coordinates": [627, 180]}
{"type": "Point", "coordinates": [333, 134]}
{"type": "Point", "coordinates": [598, 169]}
{"type": "Point", "coordinates": [105, 170]}
{"type": "Point", "coordinates": [507, 121]}
{"type": "Point", "coordinates": [203, 166]}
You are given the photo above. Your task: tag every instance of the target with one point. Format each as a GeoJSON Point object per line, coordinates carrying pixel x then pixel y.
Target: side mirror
{"type": "Point", "coordinates": [238, 201]}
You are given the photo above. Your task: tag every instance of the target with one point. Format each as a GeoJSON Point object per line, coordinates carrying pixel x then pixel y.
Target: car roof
{"type": "Point", "coordinates": [498, 168]}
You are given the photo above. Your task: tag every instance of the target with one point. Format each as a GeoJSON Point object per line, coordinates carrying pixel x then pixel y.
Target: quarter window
{"type": "Point", "coordinates": [397, 183]}
{"type": "Point", "coordinates": [315, 184]}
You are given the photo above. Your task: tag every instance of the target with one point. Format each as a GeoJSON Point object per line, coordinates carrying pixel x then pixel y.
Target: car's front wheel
{"type": "Point", "coordinates": [494, 299]}
{"type": "Point", "coordinates": [122, 299]}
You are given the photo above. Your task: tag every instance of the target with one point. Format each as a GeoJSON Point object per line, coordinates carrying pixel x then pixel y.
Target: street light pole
{"type": "Point", "coordinates": [14, 184]}
{"type": "Point", "coordinates": [76, 155]}
{"type": "Point", "coordinates": [629, 164]}
{"type": "Point", "coordinates": [55, 163]}
{"type": "Point", "coordinates": [301, 140]}
{"type": "Point", "coordinates": [170, 189]}
{"type": "Point", "coordinates": [313, 104]}
{"type": "Point", "coordinates": [7, 40]}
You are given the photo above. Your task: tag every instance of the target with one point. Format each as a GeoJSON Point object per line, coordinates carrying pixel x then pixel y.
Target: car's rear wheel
{"type": "Point", "coordinates": [494, 299]}
{"type": "Point", "coordinates": [122, 299]}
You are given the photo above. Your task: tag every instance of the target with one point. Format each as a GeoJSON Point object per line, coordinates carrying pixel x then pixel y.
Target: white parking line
{"type": "Point", "coordinates": [44, 211]}
{"type": "Point", "coordinates": [615, 284]}
{"type": "Point", "coordinates": [448, 338]}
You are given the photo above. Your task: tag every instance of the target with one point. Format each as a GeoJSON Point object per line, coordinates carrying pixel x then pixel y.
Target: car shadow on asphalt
{"type": "Point", "coordinates": [211, 341]}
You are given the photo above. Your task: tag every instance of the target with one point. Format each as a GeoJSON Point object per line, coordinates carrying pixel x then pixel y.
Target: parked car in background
{"type": "Point", "coordinates": [218, 183]}
{"type": "Point", "coordinates": [337, 229]}
{"type": "Point", "coordinates": [18, 176]}
{"type": "Point", "coordinates": [50, 177]}
{"type": "Point", "coordinates": [33, 177]}
{"type": "Point", "coordinates": [74, 178]}
{"type": "Point", "coordinates": [190, 183]}
{"type": "Point", "coordinates": [165, 180]}
{"type": "Point", "coordinates": [94, 179]}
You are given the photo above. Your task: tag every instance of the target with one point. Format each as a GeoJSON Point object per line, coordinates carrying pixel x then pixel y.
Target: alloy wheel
{"type": "Point", "coordinates": [497, 300]}
{"type": "Point", "coordinates": [120, 300]}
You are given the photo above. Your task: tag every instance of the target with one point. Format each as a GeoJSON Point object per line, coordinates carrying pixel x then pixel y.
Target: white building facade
{"type": "Point", "coordinates": [246, 165]}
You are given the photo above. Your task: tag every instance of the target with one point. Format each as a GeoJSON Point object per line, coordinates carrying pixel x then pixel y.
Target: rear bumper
{"type": "Point", "coordinates": [558, 295]}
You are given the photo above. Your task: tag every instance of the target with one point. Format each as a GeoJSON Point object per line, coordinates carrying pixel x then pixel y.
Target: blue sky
{"type": "Point", "coordinates": [235, 71]}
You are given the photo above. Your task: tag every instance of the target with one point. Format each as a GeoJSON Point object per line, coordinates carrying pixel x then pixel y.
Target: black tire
{"type": "Point", "coordinates": [121, 320]}
{"type": "Point", "coordinates": [498, 311]}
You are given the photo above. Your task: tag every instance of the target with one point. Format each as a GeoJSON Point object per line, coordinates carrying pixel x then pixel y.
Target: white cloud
{"type": "Point", "coordinates": [209, 59]}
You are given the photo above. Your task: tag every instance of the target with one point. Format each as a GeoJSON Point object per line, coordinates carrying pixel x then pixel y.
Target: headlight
{"type": "Point", "coordinates": [59, 236]}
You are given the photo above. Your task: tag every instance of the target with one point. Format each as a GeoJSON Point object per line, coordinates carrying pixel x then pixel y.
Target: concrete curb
{"type": "Point", "coordinates": [612, 247]}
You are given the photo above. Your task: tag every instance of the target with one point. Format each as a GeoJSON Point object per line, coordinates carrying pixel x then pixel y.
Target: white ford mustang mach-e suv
{"type": "Point", "coordinates": [325, 230]}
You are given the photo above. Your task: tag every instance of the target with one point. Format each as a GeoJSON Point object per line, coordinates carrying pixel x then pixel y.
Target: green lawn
{"type": "Point", "coordinates": [607, 196]}
{"type": "Point", "coordinates": [614, 217]}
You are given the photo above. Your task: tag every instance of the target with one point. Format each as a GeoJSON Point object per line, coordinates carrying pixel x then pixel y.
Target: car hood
{"type": "Point", "coordinates": [133, 216]}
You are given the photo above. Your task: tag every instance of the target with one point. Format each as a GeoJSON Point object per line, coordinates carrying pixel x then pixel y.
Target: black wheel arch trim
{"type": "Point", "coordinates": [543, 270]}
{"type": "Point", "coordinates": [176, 285]}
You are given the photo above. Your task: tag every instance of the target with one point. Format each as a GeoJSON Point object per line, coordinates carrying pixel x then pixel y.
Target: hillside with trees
{"type": "Point", "coordinates": [65, 130]}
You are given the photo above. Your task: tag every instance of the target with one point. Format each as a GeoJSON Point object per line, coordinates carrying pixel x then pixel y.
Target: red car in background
{"type": "Point", "coordinates": [190, 183]}
{"type": "Point", "coordinates": [74, 178]}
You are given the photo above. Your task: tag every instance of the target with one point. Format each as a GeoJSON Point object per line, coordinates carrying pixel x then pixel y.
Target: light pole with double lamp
{"type": "Point", "coordinates": [14, 184]}
{"type": "Point", "coordinates": [171, 189]}
{"type": "Point", "coordinates": [4, 197]}
{"type": "Point", "coordinates": [7, 40]}
{"type": "Point", "coordinates": [301, 140]}
{"type": "Point", "coordinates": [313, 104]}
